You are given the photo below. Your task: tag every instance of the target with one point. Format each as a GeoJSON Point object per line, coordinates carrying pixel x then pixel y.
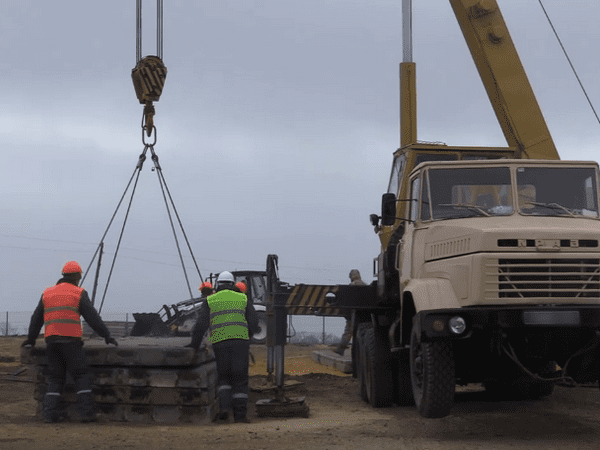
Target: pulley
{"type": "Point", "coordinates": [149, 73]}
{"type": "Point", "coordinates": [149, 77]}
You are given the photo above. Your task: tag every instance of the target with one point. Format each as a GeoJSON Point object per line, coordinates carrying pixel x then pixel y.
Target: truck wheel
{"type": "Point", "coordinates": [379, 383]}
{"type": "Point", "coordinates": [361, 369]}
{"type": "Point", "coordinates": [432, 375]}
{"type": "Point", "coordinates": [404, 392]}
{"type": "Point", "coordinates": [260, 338]}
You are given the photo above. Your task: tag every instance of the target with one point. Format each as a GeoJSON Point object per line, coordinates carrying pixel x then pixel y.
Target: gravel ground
{"type": "Point", "coordinates": [338, 418]}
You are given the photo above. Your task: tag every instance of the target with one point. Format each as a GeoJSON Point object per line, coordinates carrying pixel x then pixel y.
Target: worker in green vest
{"type": "Point", "coordinates": [231, 320]}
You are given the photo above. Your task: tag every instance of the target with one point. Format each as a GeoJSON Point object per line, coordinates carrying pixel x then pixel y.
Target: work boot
{"type": "Point", "coordinates": [86, 406]}
{"type": "Point", "coordinates": [240, 408]}
{"type": "Point", "coordinates": [52, 408]}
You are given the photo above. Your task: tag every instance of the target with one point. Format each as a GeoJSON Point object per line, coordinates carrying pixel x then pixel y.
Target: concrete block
{"type": "Point", "coordinates": [330, 359]}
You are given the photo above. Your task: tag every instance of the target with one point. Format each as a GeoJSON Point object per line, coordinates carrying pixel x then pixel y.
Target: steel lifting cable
{"type": "Point", "coordinates": [159, 29]}
{"type": "Point", "coordinates": [164, 188]}
{"type": "Point", "coordinates": [108, 227]}
{"type": "Point", "coordinates": [138, 168]}
{"type": "Point", "coordinates": [148, 79]}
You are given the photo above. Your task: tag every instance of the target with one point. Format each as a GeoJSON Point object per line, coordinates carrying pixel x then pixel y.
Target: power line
{"type": "Point", "coordinates": [569, 60]}
{"type": "Point", "coordinates": [45, 239]}
{"type": "Point", "coordinates": [240, 264]}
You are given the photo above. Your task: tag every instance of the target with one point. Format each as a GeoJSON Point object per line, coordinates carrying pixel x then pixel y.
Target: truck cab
{"type": "Point", "coordinates": [394, 217]}
{"type": "Point", "coordinates": [497, 264]}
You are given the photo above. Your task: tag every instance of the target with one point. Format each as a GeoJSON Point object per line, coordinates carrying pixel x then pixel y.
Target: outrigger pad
{"type": "Point", "coordinates": [290, 407]}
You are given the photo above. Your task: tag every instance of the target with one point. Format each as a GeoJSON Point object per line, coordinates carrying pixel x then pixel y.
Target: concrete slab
{"type": "Point", "coordinates": [329, 358]}
{"type": "Point", "coordinates": [132, 351]}
{"type": "Point", "coordinates": [144, 379]}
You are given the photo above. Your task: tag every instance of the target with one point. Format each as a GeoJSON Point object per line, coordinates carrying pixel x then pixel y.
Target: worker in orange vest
{"type": "Point", "coordinates": [60, 310]}
{"type": "Point", "coordinates": [206, 289]}
{"type": "Point", "coordinates": [241, 286]}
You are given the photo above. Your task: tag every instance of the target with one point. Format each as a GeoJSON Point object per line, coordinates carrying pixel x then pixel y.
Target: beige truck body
{"type": "Point", "coordinates": [520, 256]}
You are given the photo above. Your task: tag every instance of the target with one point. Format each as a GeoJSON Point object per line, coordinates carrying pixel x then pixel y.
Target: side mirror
{"type": "Point", "coordinates": [374, 220]}
{"type": "Point", "coordinates": [388, 209]}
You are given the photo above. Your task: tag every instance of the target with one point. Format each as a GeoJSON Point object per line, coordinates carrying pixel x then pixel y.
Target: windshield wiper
{"type": "Point", "coordinates": [552, 205]}
{"type": "Point", "coordinates": [469, 207]}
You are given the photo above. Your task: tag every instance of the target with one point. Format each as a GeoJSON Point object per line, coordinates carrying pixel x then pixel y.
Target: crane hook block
{"type": "Point", "coordinates": [149, 77]}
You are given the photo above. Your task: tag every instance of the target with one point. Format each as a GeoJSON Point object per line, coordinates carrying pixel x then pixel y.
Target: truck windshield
{"type": "Point", "coordinates": [462, 192]}
{"type": "Point", "coordinates": [549, 191]}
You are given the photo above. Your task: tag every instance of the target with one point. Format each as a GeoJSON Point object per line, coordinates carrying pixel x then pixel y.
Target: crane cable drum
{"type": "Point", "coordinates": [149, 73]}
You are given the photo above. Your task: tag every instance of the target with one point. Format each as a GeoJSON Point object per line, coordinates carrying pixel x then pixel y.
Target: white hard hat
{"type": "Point", "coordinates": [225, 277]}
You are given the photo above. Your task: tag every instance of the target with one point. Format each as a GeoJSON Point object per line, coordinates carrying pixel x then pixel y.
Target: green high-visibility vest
{"type": "Point", "coordinates": [228, 316]}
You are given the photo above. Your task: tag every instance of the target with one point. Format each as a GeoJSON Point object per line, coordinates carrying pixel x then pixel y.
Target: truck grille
{"type": "Point", "coordinates": [543, 278]}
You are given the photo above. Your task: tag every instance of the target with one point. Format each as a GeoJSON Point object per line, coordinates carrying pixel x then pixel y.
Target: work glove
{"type": "Point", "coordinates": [112, 341]}
{"type": "Point", "coordinates": [28, 343]}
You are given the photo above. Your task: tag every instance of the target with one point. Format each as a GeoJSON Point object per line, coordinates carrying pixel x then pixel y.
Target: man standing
{"type": "Point", "coordinates": [60, 310]}
{"type": "Point", "coordinates": [355, 279]}
{"type": "Point", "coordinates": [231, 320]}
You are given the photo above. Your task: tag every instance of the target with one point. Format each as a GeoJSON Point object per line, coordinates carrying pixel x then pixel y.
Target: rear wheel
{"type": "Point", "coordinates": [361, 358]}
{"type": "Point", "coordinates": [378, 379]}
{"type": "Point", "coordinates": [432, 375]}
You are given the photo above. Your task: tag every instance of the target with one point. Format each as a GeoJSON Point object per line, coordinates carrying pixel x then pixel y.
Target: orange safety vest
{"type": "Point", "coordinates": [61, 310]}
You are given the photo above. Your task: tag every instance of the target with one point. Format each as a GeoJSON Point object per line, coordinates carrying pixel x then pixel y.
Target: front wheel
{"type": "Point", "coordinates": [404, 392]}
{"type": "Point", "coordinates": [432, 375]}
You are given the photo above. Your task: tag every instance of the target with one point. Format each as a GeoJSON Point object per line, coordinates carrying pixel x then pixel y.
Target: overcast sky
{"type": "Point", "coordinates": [276, 130]}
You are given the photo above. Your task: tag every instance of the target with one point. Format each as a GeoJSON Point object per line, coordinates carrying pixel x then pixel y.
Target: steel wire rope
{"type": "Point", "coordinates": [113, 216]}
{"type": "Point", "coordinates": [162, 184]}
{"type": "Point", "coordinates": [569, 60]}
{"type": "Point", "coordinates": [162, 177]}
{"type": "Point", "coordinates": [138, 168]}
{"type": "Point", "coordinates": [138, 31]}
{"type": "Point", "coordinates": [159, 29]}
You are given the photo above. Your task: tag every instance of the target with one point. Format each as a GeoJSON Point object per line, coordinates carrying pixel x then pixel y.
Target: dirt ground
{"type": "Point", "coordinates": [339, 419]}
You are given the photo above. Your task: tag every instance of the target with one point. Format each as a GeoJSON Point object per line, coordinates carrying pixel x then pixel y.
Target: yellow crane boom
{"type": "Point", "coordinates": [504, 78]}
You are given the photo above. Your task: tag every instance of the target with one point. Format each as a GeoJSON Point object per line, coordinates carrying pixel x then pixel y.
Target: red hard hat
{"type": "Point", "coordinates": [241, 286]}
{"type": "Point", "coordinates": [71, 267]}
{"type": "Point", "coordinates": [205, 285]}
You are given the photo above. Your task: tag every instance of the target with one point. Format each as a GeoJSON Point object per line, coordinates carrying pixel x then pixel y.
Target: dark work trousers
{"type": "Point", "coordinates": [232, 369]}
{"type": "Point", "coordinates": [346, 337]}
{"type": "Point", "coordinates": [63, 357]}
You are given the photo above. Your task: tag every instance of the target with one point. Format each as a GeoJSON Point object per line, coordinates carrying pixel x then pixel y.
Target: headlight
{"type": "Point", "coordinates": [457, 325]}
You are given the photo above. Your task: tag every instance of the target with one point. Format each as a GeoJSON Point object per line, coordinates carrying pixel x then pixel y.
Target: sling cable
{"type": "Point", "coordinates": [148, 77]}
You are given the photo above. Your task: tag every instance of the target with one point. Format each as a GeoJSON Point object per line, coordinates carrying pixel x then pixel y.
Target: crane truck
{"type": "Point", "coordinates": [489, 270]}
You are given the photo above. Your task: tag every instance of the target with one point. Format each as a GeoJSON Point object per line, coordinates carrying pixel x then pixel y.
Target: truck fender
{"type": "Point", "coordinates": [432, 293]}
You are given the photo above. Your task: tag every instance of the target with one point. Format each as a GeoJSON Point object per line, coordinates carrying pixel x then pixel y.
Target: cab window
{"type": "Point", "coordinates": [425, 202]}
{"type": "Point", "coordinates": [396, 176]}
{"type": "Point", "coordinates": [414, 202]}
